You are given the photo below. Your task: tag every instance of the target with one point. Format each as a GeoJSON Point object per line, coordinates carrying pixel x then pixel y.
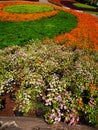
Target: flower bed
{"type": "Point", "coordinates": [5, 16]}
{"type": "Point", "coordinates": [85, 35]}
{"type": "Point", "coordinates": [50, 81]}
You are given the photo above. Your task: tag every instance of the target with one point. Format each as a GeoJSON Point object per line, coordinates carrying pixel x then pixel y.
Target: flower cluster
{"type": "Point", "coordinates": [7, 86]}
{"type": "Point", "coordinates": [5, 16]}
{"type": "Point", "coordinates": [60, 101]}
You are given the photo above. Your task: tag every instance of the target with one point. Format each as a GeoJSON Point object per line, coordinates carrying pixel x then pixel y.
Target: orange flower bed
{"type": "Point", "coordinates": [5, 16]}
{"type": "Point", "coordinates": [85, 35]}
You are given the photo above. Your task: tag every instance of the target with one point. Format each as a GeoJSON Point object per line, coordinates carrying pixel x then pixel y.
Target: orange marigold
{"type": "Point", "coordinates": [85, 35]}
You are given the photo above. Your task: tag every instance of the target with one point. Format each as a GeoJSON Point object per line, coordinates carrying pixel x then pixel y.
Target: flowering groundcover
{"type": "Point", "coordinates": [46, 79]}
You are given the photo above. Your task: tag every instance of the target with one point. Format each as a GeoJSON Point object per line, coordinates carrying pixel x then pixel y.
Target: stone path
{"type": "Point", "coordinates": [44, 1]}
{"type": "Point", "coordinates": [27, 123]}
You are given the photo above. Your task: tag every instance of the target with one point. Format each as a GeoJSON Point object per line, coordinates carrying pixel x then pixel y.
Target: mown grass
{"type": "Point", "coordinates": [92, 12]}
{"type": "Point", "coordinates": [18, 33]}
{"type": "Point", "coordinates": [26, 8]}
{"type": "Point", "coordinates": [84, 6]}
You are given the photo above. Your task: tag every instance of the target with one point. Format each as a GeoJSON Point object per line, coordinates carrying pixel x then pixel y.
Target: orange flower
{"type": "Point", "coordinates": [86, 57]}
{"type": "Point", "coordinates": [80, 103]}
{"type": "Point", "coordinates": [93, 87]}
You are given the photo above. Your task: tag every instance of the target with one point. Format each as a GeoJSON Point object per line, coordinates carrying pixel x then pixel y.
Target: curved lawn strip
{"type": "Point", "coordinates": [18, 33]}
{"type": "Point", "coordinates": [80, 5]}
{"type": "Point", "coordinates": [5, 16]}
{"type": "Point", "coordinates": [26, 8]}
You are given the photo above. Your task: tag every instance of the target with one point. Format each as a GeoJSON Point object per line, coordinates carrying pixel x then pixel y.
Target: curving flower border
{"type": "Point", "coordinates": [5, 16]}
{"type": "Point", "coordinates": [85, 35]}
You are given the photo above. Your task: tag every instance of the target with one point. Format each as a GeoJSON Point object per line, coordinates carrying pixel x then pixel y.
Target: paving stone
{"type": "Point", "coordinates": [25, 123]}
{"type": "Point", "coordinates": [41, 128]}
{"type": "Point", "coordinates": [45, 129]}
{"type": "Point", "coordinates": [13, 128]}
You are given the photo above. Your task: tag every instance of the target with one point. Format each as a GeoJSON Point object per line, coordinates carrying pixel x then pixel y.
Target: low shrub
{"type": "Point", "coordinates": [61, 83]}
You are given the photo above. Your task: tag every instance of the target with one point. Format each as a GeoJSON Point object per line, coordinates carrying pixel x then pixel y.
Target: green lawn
{"type": "Point", "coordinates": [84, 6]}
{"type": "Point", "coordinates": [18, 33]}
{"type": "Point", "coordinates": [27, 8]}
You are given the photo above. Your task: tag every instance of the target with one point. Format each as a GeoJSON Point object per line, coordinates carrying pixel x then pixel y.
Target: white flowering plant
{"type": "Point", "coordinates": [62, 82]}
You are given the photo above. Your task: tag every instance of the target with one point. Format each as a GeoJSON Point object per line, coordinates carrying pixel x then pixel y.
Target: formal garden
{"type": "Point", "coordinates": [49, 62]}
